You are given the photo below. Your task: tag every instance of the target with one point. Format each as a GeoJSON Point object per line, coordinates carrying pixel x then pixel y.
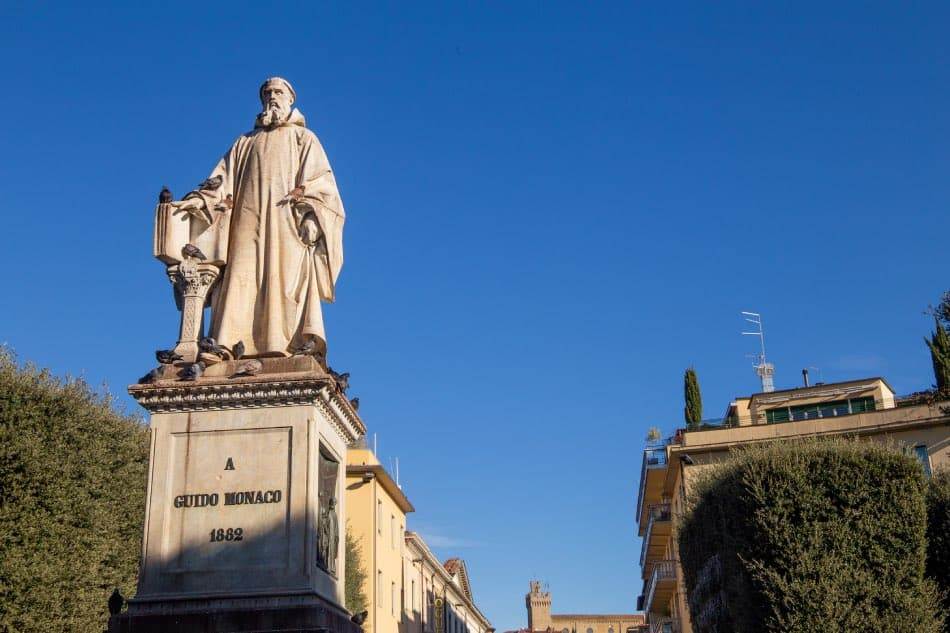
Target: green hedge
{"type": "Point", "coordinates": [809, 536]}
{"type": "Point", "coordinates": [938, 535]}
{"type": "Point", "coordinates": [72, 501]}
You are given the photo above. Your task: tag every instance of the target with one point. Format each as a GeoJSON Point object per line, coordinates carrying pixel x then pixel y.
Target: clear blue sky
{"type": "Point", "coordinates": [553, 209]}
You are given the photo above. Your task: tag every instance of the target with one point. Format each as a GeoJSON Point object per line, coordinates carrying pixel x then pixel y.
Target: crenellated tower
{"type": "Point", "coordinates": [538, 603]}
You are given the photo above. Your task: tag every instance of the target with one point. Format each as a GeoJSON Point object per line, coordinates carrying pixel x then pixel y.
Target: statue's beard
{"type": "Point", "coordinates": [272, 116]}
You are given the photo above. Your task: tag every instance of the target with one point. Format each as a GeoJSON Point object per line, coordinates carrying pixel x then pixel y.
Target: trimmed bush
{"type": "Point", "coordinates": [938, 535]}
{"type": "Point", "coordinates": [72, 501]}
{"type": "Point", "coordinates": [808, 536]}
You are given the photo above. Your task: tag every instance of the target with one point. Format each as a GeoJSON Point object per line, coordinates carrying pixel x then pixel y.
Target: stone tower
{"type": "Point", "coordinates": [539, 607]}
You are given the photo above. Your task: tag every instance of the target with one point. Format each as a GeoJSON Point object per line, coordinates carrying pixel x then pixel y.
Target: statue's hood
{"type": "Point", "coordinates": [296, 118]}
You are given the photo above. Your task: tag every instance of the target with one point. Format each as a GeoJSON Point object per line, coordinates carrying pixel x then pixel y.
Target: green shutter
{"type": "Point", "coordinates": [777, 415]}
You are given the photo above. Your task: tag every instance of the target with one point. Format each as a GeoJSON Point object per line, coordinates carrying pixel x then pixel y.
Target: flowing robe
{"type": "Point", "coordinates": [270, 291]}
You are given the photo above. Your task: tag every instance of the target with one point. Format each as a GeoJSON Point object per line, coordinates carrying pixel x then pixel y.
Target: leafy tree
{"type": "Point", "coordinates": [939, 344]}
{"type": "Point", "coordinates": [693, 411]}
{"type": "Point", "coordinates": [938, 535]}
{"type": "Point", "coordinates": [72, 501]}
{"type": "Point", "coordinates": [814, 535]}
{"type": "Point", "coordinates": [355, 578]}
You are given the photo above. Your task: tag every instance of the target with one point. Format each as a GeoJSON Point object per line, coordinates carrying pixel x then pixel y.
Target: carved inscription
{"type": "Point", "coordinates": [228, 504]}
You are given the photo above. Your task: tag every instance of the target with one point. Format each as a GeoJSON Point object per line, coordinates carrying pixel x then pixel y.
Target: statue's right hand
{"type": "Point", "coordinates": [195, 207]}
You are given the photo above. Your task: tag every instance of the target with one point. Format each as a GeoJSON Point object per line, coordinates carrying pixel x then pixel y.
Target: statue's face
{"type": "Point", "coordinates": [276, 97]}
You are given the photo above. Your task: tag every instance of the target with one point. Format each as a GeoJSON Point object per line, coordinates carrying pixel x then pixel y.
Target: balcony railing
{"type": "Point", "coordinates": [652, 458]}
{"type": "Point", "coordinates": [658, 512]}
{"type": "Point", "coordinates": [662, 570]}
{"type": "Point", "coordinates": [665, 625]}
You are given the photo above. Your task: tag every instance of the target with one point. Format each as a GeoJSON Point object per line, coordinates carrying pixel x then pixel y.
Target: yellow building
{"type": "Point", "coordinates": [407, 589]}
{"type": "Point", "coordinates": [860, 408]}
{"type": "Point", "coordinates": [376, 517]}
{"type": "Point", "coordinates": [540, 618]}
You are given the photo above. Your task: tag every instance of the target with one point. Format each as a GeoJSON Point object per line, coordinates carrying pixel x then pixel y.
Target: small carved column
{"type": "Point", "coordinates": [192, 282]}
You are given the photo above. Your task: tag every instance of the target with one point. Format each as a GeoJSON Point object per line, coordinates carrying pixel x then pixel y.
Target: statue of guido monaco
{"type": "Point", "coordinates": [249, 426]}
{"type": "Point", "coordinates": [273, 216]}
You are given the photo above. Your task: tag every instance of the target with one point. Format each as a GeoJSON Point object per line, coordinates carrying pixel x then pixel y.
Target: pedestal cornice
{"type": "Point", "coordinates": [216, 394]}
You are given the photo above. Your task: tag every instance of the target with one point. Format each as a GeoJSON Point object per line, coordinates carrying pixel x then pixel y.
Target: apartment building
{"type": "Point", "coordinates": [862, 408]}
{"type": "Point", "coordinates": [376, 517]}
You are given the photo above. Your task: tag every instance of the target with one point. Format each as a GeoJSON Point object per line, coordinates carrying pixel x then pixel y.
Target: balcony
{"type": "Point", "coordinates": [660, 587]}
{"type": "Point", "coordinates": [665, 625]}
{"type": "Point", "coordinates": [659, 526]}
{"type": "Point", "coordinates": [652, 475]}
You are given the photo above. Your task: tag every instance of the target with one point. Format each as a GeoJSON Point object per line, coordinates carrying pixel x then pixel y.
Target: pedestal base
{"type": "Point", "coordinates": [312, 618]}
{"type": "Point", "coordinates": [245, 502]}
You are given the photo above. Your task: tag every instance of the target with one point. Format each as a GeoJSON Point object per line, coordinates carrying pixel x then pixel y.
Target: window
{"type": "Point", "coordinates": [920, 452]}
{"type": "Point", "coordinates": [392, 530]}
{"type": "Point", "coordinates": [815, 411]}
{"type": "Point", "coordinates": [379, 517]}
{"type": "Point", "coordinates": [590, 630]}
{"type": "Point", "coordinates": [394, 598]}
{"type": "Point", "coordinates": [379, 589]}
{"type": "Point", "coordinates": [412, 597]}
{"type": "Point", "coordinates": [610, 629]}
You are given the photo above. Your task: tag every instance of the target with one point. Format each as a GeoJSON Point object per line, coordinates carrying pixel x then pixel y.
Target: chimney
{"type": "Point", "coordinates": [805, 376]}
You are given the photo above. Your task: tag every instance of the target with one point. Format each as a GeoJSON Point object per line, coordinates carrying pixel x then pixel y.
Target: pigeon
{"type": "Point", "coordinates": [355, 403]}
{"type": "Point", "coordinates": [211, 184]}
{"type": "Point", "coordinates": [151, 376]}
{"type": "Point", "coordinates": [190, 250]}
{"type": "Point", "coordinates": [248, 368]}
{"type": "Point", "coordinates": [165, 196]}
{"type": "Point", "coordinates": [115, 602]}
{"type": "Point", "coordinates": [306, 349]}
{"type": "Point", "coordinates": [224, 205]}
{"type": "Point", "coordinates": [209, 346]}
{"type": "Point", "coordinates": [359, 618]}
{"type": "Point", "coordinates": [194, 371]}
{"type": "Point", "coordinates": [238, 350]}
{"type": "Point", "coordinates": [167, 356]}
{"type": "Point", "coordinates": [342, 380]}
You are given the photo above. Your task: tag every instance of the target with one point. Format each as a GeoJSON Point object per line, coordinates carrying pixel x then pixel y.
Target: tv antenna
{"type": "Point", "coordinates": [764, 369]}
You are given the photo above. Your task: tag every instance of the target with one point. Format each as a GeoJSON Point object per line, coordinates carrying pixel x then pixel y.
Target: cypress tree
{"type": "Point", "coordinates": [939, 344]}
{"type": "Point", "coordinates": [693, 411]}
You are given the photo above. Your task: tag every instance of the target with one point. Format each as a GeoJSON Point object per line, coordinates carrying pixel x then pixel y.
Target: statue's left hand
{"type": "Point", "coordinates": [310, 230]}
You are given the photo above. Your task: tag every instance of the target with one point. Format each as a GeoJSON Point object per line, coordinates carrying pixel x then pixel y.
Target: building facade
{"type": "Point", "coordinates": [438, 596]}
{"type": "Point", "coordinates": [407, 588]}
{"type": "Point", "coordinates": [540, 618]}
{"type": "Point", "coordinates": [861, 408]}
{"type": "Point", "coordinates": [377, 519]}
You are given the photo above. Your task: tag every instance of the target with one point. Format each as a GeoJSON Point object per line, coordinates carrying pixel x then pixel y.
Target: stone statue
{"type": "Point", "coordinates": [271, 217]}
{"type": "Point", "coordinates": [329, 537]}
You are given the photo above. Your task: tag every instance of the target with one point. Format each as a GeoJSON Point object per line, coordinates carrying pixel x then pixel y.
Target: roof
{"type": "Point", "coordinates": [385, 481]}
{"type": "Point", "coordinates": [456, 568]}
{"type": "Point", "coordinates": [820, 386]}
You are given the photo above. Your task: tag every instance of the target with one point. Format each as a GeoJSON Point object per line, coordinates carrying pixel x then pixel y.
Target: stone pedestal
{"type": "Point", "coordinates": [236, 528]}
